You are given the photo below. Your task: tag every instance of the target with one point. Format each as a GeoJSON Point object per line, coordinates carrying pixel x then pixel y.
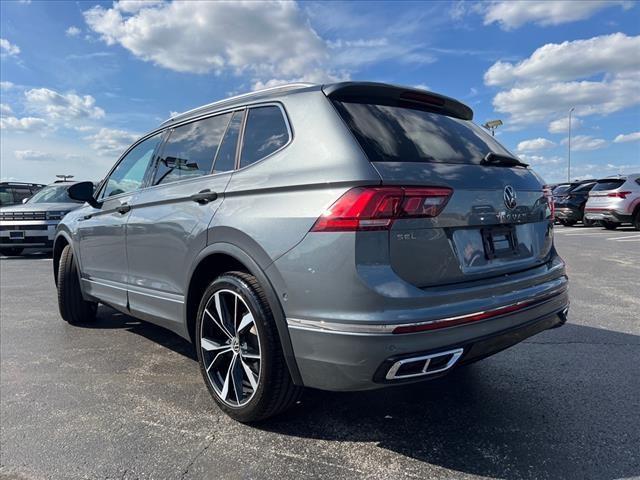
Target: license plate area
{"type": "Point", "coordinates": [499, 242]}
{"type": "Point", "coordinates": [16, 235]}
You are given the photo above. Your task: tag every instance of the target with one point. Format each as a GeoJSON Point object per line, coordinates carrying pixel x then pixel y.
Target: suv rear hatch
{"type": "Point", "coordinates": [496, 219]}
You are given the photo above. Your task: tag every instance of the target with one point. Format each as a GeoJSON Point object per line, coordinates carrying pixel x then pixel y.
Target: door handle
{"type": "Point", "coordinates": [124, 208]}
{"type": "Point", "coordinates": [204, 196]}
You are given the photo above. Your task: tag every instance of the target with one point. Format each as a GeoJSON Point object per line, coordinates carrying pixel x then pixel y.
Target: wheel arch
{"type": "Point", "coordinates": [62, 240]}
{"type": "Point", "coordinates": [220, 257]}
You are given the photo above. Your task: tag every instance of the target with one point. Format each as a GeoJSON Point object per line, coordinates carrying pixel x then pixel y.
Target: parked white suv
{"type": "Point", "coordinates": [615, 200]}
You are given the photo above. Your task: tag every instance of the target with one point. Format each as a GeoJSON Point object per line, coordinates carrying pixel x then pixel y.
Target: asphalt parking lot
{"type": "Point", "coordinates": [124, 399]}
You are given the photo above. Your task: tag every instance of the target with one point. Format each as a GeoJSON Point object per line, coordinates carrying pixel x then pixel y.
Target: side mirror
{"type": "Point", "coordinates": [25, 200]}
{"type": "Point", "coordinates": [83, 191]}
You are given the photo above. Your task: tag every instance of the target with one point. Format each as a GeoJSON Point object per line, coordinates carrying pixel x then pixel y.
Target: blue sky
{"type": "Point", "coordinates": [80, 80]}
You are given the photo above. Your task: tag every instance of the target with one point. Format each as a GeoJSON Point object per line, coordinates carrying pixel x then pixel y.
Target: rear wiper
{"type": "Point", "coordinates": [493, 158]}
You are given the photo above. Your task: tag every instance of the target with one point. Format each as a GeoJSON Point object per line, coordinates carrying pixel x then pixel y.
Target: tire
{"type": "Point", "coordinates": [568, 223]}
{"type": "Point", "coordinates": [609, 225]}
{"type": "Point", "coordinates": [636, 220]}
{"type": "Point", "coordinates": [11, 251]}
{"type": "Point", "coordinates": [587, 223]}
{"type": "Point", "coordinates": [73, 308]}
{"type": "Point", "coordinates": [272, 390]}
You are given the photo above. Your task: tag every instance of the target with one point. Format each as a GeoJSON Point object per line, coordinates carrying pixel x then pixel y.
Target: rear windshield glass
{"type": "Point", "coordinates": [583, 188]}
{"type": "Point", "coordinates": [561, 189]}
{"type": "Point", "coordinates": [400, 134]}
{"type": "Point", "coordinates": [609, 184]}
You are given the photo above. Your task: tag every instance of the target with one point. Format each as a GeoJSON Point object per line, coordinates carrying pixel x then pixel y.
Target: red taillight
{"type": "Point", "coordinates": [548, 193]}
{"type": "Point", "coordinates": [375, 208]}
{"type": "Point", "coordinates": [618, 194]}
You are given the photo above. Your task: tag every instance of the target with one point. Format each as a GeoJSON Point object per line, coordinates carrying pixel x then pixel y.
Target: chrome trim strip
{"type": "Point", "coordinates": [455, 356]}
{"type": "Point", "coordinates": [386, 329]}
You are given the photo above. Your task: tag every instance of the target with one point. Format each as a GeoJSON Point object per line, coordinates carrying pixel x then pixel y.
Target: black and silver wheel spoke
{"type": "Point", "coordinates": [230, 348]}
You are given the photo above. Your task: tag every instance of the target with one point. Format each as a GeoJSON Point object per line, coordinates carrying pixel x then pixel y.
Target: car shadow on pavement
{"type": "Point", "coordinates": [569, 416]}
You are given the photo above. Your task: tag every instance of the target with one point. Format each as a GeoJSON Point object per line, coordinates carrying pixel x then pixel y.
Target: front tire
{"type": "Point", "coordinates": [609, 225]}
{"type": "Point", "coordinates": [11, 251]}
{"type": "Point", "coordinates": [239, 350]}
{"type": "Point", "coordinates": [74, 309]}
{"type": "Point", "coordinates": [586, 222]}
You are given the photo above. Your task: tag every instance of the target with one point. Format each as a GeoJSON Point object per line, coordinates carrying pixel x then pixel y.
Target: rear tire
{"type": "Point", "coordinates": [568, 223]}
{"type": "Point", "coordinates": [11, 251]}
{"type": "Point", "coordinates": [609, 225]}
{"type": "Point", "coordinates": [636, 220]}
{"type": "Point", "coordinates": [73, 308]}
{"type": "Point", "coordinates": [586, 222]}
{"type": "Point", "coordinates": [229, 353]}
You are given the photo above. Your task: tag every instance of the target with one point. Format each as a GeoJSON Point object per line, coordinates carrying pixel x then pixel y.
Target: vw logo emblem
{"type": "Point", "coordinates": [510, 197]}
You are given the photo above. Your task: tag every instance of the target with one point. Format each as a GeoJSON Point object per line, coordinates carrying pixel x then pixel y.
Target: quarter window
{"type": "Point", "coordinates": [226, 159]}
{"type": "Point", "coordinates": [190, 149]}
{"type": "Point", "coordinates": [265, 132]}
{"type": "Point", "coordinates": [129, 173]}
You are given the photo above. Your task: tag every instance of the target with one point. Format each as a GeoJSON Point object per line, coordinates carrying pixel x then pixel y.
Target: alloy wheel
{"type": "Point", "coordinates": [230, 347]}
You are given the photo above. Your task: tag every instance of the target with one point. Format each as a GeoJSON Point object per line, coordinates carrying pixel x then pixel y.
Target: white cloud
{"type": "Point", "coordinates": [561, 125]}
{"type": "Point", "coordinates": [72, 31]}
{"type": "Point", "coordinates": [133, 6]}
{"type": "Point", "coordinates": [25, 124]}
{"type": "Point", "coordinates": [68, 106]}
{"type": "Point", "coordinates": [540, 160]}
{"type": "Point", "coordinates": [5, 109]}
{"type": "Point", "coordinates": [9, 48]}
{"type": "Point", "coordinates": [6, 85]}
{"type": "Point", "coordinates": [627, 137]}
{"type": "Point", "coordinates": [265, 40]}
{"type": "Point", "coordinates": [535, 144]}
{"type": "Point", "coordinates": [33, 155]}
{"type": "Point", "coordinates": [511, 14]}
{"type": "Point", "coordinates": [564, 61]}
{"type": "Point", "coordinates": [112, 142]}
{"type": "Point", "coordinates": [585, 142]}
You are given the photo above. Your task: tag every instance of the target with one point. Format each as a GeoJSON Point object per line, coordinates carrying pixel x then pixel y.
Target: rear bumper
{"type": "Point", "coordinates": [332, 359]}
{"type": "Point", "coordinates": [607, 215]}
{"type": "Point", "coordinates": [567, 213]}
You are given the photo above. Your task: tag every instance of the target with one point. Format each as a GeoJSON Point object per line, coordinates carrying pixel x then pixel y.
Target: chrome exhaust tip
{"type": "Point", "coordinates": [424, 365]}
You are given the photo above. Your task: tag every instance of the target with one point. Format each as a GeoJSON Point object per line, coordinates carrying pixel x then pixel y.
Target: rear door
{"type": "Point", "coordinates": [497, 218]}
{"type": "Point", "coordinates": [168, 224]}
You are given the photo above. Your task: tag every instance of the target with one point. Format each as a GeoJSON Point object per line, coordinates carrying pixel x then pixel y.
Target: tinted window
{"type": "Point", "coordinates": [609, 184]}
{"type": "Point", "coordinates": [583, 188]}
{"type": "Point", "coordinates": [561, 189]}
{"type": "Point", "coordinates": [6, 196]}
{"type": "Point", "coordinates": [399, 134]}
{"type": "Point", "coordinates": [266, 132]}
{"type": "Point", "coordinates": [190, 149]}
{"type": "Point", "coordinates": [20, 193]}
{"type": "Point", "coordinates": [52, 194]}
{"type": "Point", "coordinates": [129, 173]}
{"type": "Point", "coordinates": [226, 159]}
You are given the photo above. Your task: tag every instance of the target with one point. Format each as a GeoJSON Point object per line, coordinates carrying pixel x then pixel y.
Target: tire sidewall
{"type": "Point", "coordinates": [263, 321]}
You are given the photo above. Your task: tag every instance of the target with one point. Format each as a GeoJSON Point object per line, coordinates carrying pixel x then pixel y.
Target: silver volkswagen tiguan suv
{"type": "Point", "coordinates": [343, 237]}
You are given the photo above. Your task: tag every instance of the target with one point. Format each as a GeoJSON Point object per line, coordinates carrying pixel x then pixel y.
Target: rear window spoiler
{"type": "Point", "coordinates": [384, 94]}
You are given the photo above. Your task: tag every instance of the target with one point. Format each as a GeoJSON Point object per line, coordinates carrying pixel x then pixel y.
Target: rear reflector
{"type": "Point", "coordinates": [375, 208]}
{"type": "Point", "coordinates": [618, 194]}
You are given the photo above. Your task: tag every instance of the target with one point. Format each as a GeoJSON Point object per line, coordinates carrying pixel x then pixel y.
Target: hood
{"type": "Point", "coordinates": [41, 207]}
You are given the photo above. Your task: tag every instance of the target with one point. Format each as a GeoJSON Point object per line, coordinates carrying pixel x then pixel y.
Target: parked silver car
{"type": "Point", "coordinates": [343, 237]}
{"type": "Point", "coordinates": [615, 200]}
{"type": "Point", "coordinates": [33, 223]}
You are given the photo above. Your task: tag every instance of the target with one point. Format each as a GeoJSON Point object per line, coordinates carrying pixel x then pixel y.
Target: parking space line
{"type": "Point", "coordinates": [626, 236]}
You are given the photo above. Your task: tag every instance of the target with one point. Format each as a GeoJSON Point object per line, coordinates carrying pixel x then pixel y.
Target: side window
{"type": "Point", "coordinates": [6, 196]}
{"type": "Point", "coordinates": [190, 149]}
{"type": "Point", "coordinates": [19, 194]}
{"type": "Point", "coordinates": [226, 158]}
{"type": "Point", "coordinates": [129, 173]}
{"type": "Point", "coordinates": [265, 132]}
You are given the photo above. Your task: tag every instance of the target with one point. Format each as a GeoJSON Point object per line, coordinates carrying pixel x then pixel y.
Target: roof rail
{"type": "Point", "coordinates": [288, 86]}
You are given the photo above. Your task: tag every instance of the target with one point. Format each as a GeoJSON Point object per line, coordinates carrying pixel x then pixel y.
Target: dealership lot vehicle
{"type": "Point", "coordinates": [13, 193]}
{"type": "Point", "coordinates": [33, 224]}
{"type": "Point", "coordinates": [615, 201]}
{"type": "Point", "coordinates": [388, 240]}
{"type": "Point", "coordinates": [569, 207]}
{"type": "Point", "coordinates": [128, 395]}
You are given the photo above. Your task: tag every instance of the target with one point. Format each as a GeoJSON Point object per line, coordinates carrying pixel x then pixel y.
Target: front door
{"type": "Point", "coordinates": [168, 225]}
{"type": "Point", "coordinates": [102, 231]}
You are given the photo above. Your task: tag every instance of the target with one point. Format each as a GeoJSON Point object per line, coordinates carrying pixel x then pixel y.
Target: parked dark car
{"type": "Point", "coordinates": [12, 193]}
{"type": "Point", "coordinates": [570, 205]}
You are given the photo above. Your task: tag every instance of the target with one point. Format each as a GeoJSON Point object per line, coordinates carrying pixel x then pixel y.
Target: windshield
{"type": "Point", "coordinates": [401, 134]}
{"type": "Point", "coordinates": [52, 194]}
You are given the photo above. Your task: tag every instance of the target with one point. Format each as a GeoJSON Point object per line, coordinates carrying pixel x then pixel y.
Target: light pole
{"type": "Point", "coordinates": [64, 178]}
{"type": "Point", "coordinates": [569, 142]}
{"type": "Point", "coordinates": [491, 125]}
